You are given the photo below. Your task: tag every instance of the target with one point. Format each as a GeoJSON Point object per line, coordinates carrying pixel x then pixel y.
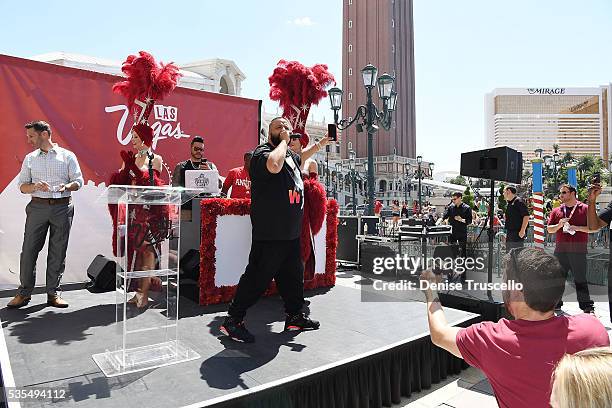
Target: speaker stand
{"type": "Point", "coordinates": [491, 234]}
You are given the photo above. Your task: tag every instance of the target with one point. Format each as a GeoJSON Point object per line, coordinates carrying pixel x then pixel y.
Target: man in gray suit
{"type": "Point", "coordinates": [49, 174]}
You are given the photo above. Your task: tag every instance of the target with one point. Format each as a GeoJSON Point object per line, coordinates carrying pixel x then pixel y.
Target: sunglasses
{"type": "Point", "coordinates": [563, 192]}
{"type": "Point", "coordinates": [198, 149]}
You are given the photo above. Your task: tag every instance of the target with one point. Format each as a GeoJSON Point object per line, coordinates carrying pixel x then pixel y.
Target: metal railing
{"type": "Point", "coordinates": [599, 239]}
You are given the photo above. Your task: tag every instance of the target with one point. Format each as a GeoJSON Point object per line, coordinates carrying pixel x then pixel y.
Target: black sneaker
{"type": "Point", "coordinates": [300, 322]}
{"type": "Point", "coordinates": [589, 310]}
{"type": "Point", "coordinates": [235, 329]}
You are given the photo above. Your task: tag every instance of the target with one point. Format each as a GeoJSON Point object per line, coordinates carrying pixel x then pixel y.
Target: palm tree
{"type": "Point", "coordinates": [585, 164]}
{"type": "Point", "coordinates": [567, 158]}
{"type": "Point", "coordinates": [556, 148]}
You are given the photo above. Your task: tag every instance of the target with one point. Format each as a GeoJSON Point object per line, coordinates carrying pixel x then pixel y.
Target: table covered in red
{"type": "Point", "coordinates": [226, 242]}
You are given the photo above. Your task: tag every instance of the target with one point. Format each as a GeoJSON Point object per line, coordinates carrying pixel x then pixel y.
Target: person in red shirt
{"type": "Point", "coordinates": [519, 356]}
{"type": "Point", "coordinates": [238, 179]}
{"type": "Point", "coordinates": [569, 223]}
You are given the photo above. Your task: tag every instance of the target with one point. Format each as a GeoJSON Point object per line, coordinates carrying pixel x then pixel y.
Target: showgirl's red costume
{"type": "Point", "coordinates": [297, 87]}
{"type": "Point", "coordinates": [146, 82]}
{"type": "Point", "coordinates": [377, 207]}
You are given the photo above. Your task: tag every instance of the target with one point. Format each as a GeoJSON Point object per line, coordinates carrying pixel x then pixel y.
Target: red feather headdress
{"type": "Point", "coordinates": [146, 83]}
{"type": "Point", "coordinates": [297, 87]}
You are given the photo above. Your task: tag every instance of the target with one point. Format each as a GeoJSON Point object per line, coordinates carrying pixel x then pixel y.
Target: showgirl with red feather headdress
{"type": "Point", "coordinates": [145, 83]}
{"type": "Point", "coordinates": [297, 88]}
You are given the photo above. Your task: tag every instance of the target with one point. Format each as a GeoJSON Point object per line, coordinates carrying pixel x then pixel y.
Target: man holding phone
{"type": "Point", "coordinates": [49, 174]}
{"type": "Point", "coordinates": [277, 207]}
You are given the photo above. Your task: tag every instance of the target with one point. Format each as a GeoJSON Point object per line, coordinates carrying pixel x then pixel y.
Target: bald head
{"type": "Point", "coordinates": [277, 125]}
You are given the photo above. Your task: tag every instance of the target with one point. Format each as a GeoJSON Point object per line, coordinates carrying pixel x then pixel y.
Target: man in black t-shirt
{"type": "Point", "coordinates": [195, 162]}
{"type": "Point", "coordinates": [459, 216]}
{"type": "Point", "coordinates": [516, 219]}
{"type": "Point", "coordinates": [596, 221]}
{"type": "Point", "coordinates": [277, 206]}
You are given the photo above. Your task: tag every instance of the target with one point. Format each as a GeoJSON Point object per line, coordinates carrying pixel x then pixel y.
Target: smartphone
{"type": "Point", "coordinates": [331, 132]}
{"type": "Point", "coordinates": [596, 178]}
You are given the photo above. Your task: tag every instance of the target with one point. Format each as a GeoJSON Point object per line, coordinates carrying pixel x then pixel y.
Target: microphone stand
{"type": "Point", "coordinates": [151, 156]}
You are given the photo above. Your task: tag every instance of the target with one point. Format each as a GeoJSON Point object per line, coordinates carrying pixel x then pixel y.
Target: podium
{"type": "Point", "coordinates": [147, 279]}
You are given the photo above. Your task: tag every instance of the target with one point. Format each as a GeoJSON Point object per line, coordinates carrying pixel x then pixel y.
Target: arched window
{"type": "Point", "coordinates": [224, 89]}
{"type": "Point", "coordinates": [383, 186]}
{"type": "Point", "coordinates": [226, 86]}
{"type": "Point", "coordinates": [347, 182]}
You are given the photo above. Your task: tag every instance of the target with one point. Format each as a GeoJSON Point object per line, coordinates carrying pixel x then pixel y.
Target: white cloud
{"type": "Point", "coordinates": [302, 22]}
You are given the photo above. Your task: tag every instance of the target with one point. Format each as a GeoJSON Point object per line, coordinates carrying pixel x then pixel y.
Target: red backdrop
{"type": "Point", "coordinates": [86, 118]}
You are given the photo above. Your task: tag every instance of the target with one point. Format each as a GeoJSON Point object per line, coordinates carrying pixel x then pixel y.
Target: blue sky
{"type": "Point", "coordinates": [463, 49]}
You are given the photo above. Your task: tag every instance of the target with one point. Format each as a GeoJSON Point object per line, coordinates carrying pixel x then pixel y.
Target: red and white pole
{"type": "Point", "coordinates": [538, 203]}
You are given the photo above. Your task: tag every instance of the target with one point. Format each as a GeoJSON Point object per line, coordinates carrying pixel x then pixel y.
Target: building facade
{"type": "Point", "coordinates": [394, 175]}
{"type": "Point", "coordinates": [379, 32]}
{"type": "Point", "coordinates": [213, 75]}
{"type": "Point", "coordinates": [395, 178]}
{"type": "Point", "coordinates": [576, 119]}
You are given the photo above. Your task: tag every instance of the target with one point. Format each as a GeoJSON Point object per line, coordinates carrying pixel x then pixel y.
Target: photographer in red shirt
{"type": "Point", "coordinates": [239, 180]}
{"type": "Point", "coordinates": [518, 356]}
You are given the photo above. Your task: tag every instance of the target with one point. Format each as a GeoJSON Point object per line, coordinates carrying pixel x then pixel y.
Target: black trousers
{"type": "Point", "coordinates": [577, 263]}
{"type": "Point", "coordinates": [610, 286]}
{"type": "Point", "coordinates": [40, 218]}
{"type": "Point", "coordinates": [514, 241]}
{"type": "Point", "coordinates": [458, 245]}
{"type": "Point", "coordinates": [278, 260]}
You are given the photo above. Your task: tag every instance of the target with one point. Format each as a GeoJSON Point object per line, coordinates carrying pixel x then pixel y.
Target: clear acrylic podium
{"type": "Point", "coordinates": [147, 248]}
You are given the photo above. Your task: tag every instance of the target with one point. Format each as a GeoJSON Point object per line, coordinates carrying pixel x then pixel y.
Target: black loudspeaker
{"type": "Point", "coordinates": [500, 163]}
{"type": "Point", "coordinates": [372, 250]}
{"type": "Point", "coordinates": [372, 222]}
{"type": "Point", "coordinates": [348, 246]}
{"type": "Point", "coordinates": [190, 265]}
{"type": "Point", "coordinates": [102, 272]}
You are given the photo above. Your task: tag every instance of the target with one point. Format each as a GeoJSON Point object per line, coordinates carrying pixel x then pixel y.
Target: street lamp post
{"type": "Point", "coordinates": [368, 115]}
{"type": "Point", "coordinates": [406, 180]}
{"type": "Point", "coordinates": [548, 166]}
{"type": "Point", "coordinates": [430, 189]}
{"type": "Point", "coordinates": [555, 159]}
{"type": "Point", "coordinates": [338, 171]}
{"type": "Point", "coordinates": [327, 189]}
{"type": "Point", "coordinates": [420, 176]}
{"type": "Point", "coordinates": [538, 153]}
{"type": "Point", "coordinates": [352, 170]}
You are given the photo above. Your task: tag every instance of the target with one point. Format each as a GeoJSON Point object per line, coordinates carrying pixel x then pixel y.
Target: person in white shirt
{"type": "Point", "coordinates": [49, 174]}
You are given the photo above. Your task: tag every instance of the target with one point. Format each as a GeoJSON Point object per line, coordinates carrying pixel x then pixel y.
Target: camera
{"type": "Point", "coordinates": [596, 178]}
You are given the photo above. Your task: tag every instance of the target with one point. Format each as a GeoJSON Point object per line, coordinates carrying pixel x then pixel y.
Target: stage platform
{"type": "Point", "coordinates": [365, 354]}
